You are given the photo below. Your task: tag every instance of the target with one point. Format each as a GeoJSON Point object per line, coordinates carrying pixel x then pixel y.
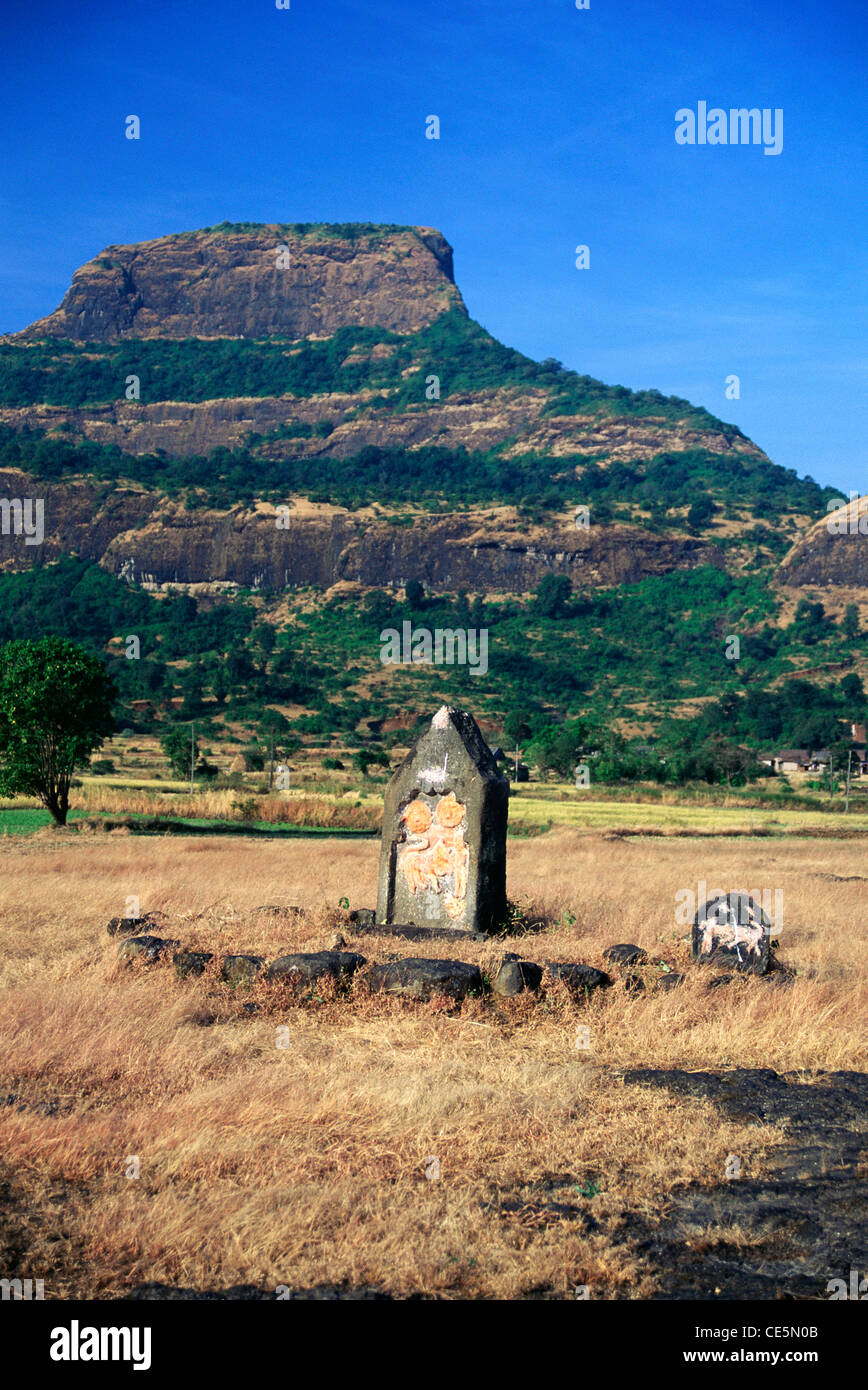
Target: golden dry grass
{"type": "Point", "coordinates": [306, 1164]}
{"type": "Point", "coordinates": [232, 804]}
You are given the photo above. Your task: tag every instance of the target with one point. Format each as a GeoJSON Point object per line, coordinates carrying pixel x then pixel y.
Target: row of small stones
{"type": "Point", "coordinates": [412, 977]}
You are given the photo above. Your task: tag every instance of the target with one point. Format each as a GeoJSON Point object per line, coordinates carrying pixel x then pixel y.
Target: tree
{"type": "Point", "coordinates": [193, 687]}
{"type": "Point", "coordinates": [266, 637]}
{"type": "Point", "coordinates": [553, 596]}
{"type": "Point", "coordinates": [220, 684]}
{"type": "Point", "coordinates": [809, 622]}
{"type": "Point", "coordinates": [853, 691]}
{"type": "Point", "coordinates": [515, 731]}
{"type": "Point", "coordinates": [55, 711]}
{"type": "Point", "coordinates": [700, 513]}
{"type": "Point", "coordinates": [414, 592]}
{"type": "Point", "coordinates": [180, 748]}
{"type": "Point", "coordinates": [730, 761]}
{"type": "Point", "coordinates": [559, 749]}
{"type": "Point", "coordinates": [365, 758]}
{"type": "Point", "coordinates": [850, 621]}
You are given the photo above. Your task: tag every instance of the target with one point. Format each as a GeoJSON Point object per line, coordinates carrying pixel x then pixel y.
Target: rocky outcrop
{"type": "Point", "coordinates": [300, 282]}
{"type": "Point", "coordinates": [834, 552]}
{"type": "Point", "coordinates": [148, 540]}
{"type": "Point", "coordinates": [230, 283]}
{"type": "Point", "coordinates": [475, 421]}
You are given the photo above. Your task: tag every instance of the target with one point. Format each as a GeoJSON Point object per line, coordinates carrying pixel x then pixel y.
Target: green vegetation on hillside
{"type": "Point", "coordinates": [577, 667]}
{"type": "Point", "coordinates": [342, 231]}
{"type": "Point", "coordinates": [437, 478]}
{"type": "Point", "coordinates": [459, 351]}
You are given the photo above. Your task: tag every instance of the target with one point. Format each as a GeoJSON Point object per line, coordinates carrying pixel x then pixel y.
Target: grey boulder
{"type": "Point", "coordinates": [309, 966]}
{"type": "Point", "coordinates": [241, 970]}
{"type": "Point", "coordinates": [578, 978]}
{"type": "Point", "coordinates": [417, 978]}
{"type": "Point", "coordinates": [148, 948]}
{"type": "Point", "coordinates": [190, 962]}
{"type": "Point", "coordinates": [625, 953]}
{"type": "Point", "coordinates": [516, 976]}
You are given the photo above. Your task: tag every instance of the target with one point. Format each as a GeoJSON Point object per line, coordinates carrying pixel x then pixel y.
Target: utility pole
{"type": "Point", "coordinates": [847, 799]}
{"type": "Point", "coordinates": [271, 763]}
{"type": "Point", "coordinates": [192, 754]}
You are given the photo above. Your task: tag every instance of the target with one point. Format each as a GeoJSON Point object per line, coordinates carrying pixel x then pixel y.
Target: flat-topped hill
{"type": "Point", "coordinates": [248, 280]}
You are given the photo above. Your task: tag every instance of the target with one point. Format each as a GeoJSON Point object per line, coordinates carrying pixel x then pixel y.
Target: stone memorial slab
{"type": "Point", "coordinates": [443, 856]}
{"type": "Point", "coordinates": [732, 930]}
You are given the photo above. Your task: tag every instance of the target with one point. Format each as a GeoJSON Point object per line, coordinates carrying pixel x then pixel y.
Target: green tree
{"type": "Point", "coordinates": [700, 513]}
{"type": "Point", "coordinates": [180, 747]}
{"type": "Point", "coordinates": [266, 637]}
{"type": "Point", "coordinates": [850, 621]}
{"type": "Point", "coordinates": [365, 758]}
{"type": "Point", "coordinates": [55, 711]}
{"type": "Point", "coordinates": [809, 622]}
{"type": "Point", "coordinates": [515, 731]}
{"type": "Point", "coordinates": [553, 596]}
{"type": "Point", "coordinates": [853, 691]}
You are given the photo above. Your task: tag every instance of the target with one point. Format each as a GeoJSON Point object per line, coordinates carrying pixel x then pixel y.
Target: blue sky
{"type": "Point", "coordinates": [557, 128]}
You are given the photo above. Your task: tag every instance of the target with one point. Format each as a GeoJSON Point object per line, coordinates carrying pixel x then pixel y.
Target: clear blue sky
{"type": "Point", "coordinates": [557, 129]}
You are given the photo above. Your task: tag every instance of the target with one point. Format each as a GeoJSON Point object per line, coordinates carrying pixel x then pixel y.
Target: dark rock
{"type": "Point", "coordinates": [124, 926]}
{"type": "Point", "coordinates": [419, 979]}
{"type": "Point", "coordinates": [625, 954]}
{"type": "Point", "coordinates": [780, 978]}
{"type": "Point", "coordinates": [363, 916]}
{"type": "Point", "coordinates": [443, 856]}
{"type": "Point", "coordinates": [241, 970]}
{"type": "Point", "coordinates": [309, 966]}
{"type": "Point", "coordinates": [718, 980]}
{"type": "Point", "coordinates": [733, 931]}
{"type": "Point", "coordinates": [671, 981]}
{"type": "Point", "coordinates": [633, 983]}
{"type": "Point", "coordinates": [515, 976]}
{"type": "Point", "coordinates": [191, 962]}
{"type": "Point", "coordinates": [578, 977]}
{"type": "Point", "coordinates": [144, 948]}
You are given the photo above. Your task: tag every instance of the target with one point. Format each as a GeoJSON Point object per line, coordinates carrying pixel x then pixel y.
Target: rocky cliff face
{"type": "Point", "coordinates": [249, 283]}
{"type": "Point", "coordinates": [304, 282]}
{"type": "Point", "coordinates": [834, 552]}
{"type": "Point", "coordinates": [148, 540]}
{"type": "Point", "coordinates": [477, 421]}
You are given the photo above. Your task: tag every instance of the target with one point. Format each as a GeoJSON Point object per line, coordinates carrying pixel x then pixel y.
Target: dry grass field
{"type": "Point", "coordinates": [305, 1164]}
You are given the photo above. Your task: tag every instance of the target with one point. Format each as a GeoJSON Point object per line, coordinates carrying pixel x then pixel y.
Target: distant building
{"type": "Point", "coordinates": [819, 761]}
{"type": "Point", "coordinates": [808, 760]}
{"type": "Point", "coordinates": [788, 760]}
